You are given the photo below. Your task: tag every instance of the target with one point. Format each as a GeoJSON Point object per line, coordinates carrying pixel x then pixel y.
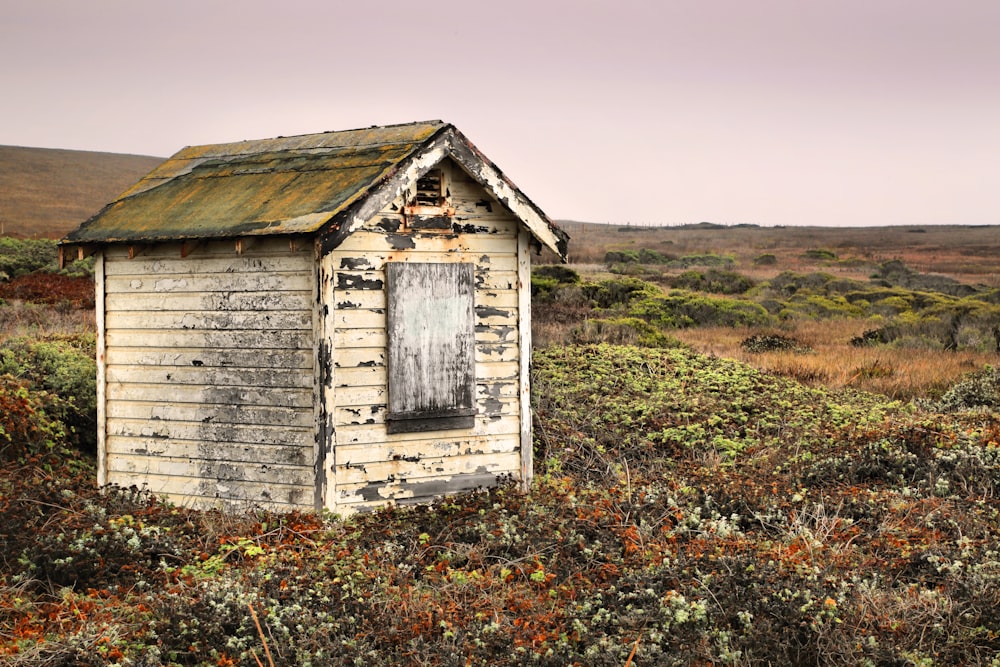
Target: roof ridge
{"type": "Point", "coordinates": [440, 124]}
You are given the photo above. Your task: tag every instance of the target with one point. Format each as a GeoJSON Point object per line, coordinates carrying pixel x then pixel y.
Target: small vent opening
{"type": "Point", "coordinates": [430, 190]}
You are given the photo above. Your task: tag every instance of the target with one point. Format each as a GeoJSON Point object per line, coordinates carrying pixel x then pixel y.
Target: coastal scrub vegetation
{"type": "Point", "coordinates": [686, 510]}
{"type": "Point", "coordinates": [719, 479]}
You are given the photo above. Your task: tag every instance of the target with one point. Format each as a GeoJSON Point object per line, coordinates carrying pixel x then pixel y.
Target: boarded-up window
{"type": "Point", "coordinates": [431, 341]}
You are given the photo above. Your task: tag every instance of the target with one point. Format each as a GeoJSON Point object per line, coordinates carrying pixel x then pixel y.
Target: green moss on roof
{"type": "Point", "coordinates": [287, 185]}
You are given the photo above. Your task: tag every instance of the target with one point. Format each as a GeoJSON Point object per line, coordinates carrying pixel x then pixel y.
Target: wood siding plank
{"type": "Point", "coordinates": [213, 433]}
{"type": "Point", "coordinates": [211, 301]}
{"type": "Point", "coordinates": [280, 397]}
{"type": "Point", "coordinates": [220, 358]}
{"type": "Point", "coordinates": [186, 320]}
{"type": "Point", "coordinates": [161, 339]}
{"type": "Point", "coordinates": [427, 468]}
{"type": "Point", "coordinates": [487, 406]}
{"type": "Point", "coordinates": [186, 449]}
{"type": "Point", "coordinates": [100, 266]}
{"type": "Point", "coordinates": [355, 259]}
{"type": "Point", "coordinates": [202, 493]}
{"type": "Point", "coordinates": [524, 370]}
{"type": "Point", "coordinates": [198, 282]}
{"type": "Point", "coordinates": [216, 414]}
{"type": "Point", "coordinates": [211, 376]}
{"type": "Point", "coordinates": [378, 243]}
{"type": "Point", "coordinates": [369, 434]}
{"type": "Point", "coordinates": [426, 448]}
{"type": "Point", "coordinates": [347, 338]}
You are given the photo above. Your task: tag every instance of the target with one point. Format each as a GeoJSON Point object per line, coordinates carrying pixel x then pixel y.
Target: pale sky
{"type": "Point", "coordinates": [775, 112]}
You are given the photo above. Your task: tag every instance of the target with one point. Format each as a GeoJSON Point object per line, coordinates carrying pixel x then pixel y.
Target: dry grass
{"type": "Point", "coordinates": [900, 373]}
{"type": "Point", "coordinates": [28, 319]}
{"type": "Point", "coordinates": [48, 192]}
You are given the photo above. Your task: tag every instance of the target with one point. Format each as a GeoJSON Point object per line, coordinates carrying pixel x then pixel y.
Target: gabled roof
{"type": "Point", "coordinates": [326, 184]}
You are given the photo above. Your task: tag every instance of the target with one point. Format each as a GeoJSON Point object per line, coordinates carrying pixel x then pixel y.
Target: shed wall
{"type": "Point", "coordinates": [209, 373]}
{"type": "Point", "coordinates": [366, 466]}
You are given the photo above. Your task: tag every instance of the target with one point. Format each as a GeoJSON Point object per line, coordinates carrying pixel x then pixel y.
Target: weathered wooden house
{"type": "Point", "coordinates": [333, 320]}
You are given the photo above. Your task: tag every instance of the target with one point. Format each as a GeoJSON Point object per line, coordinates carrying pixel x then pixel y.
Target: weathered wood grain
{"type": "Point", "coordinates": [161, 339]}
{"type": "Point", "coordinates": [351, 454]}
{"type": "Point", "coordinates": [427, 468]}
{"type": "Point", "coordinates": [369, 434]}
{"type": "Point", "coordinates": [281, 397]}
{"type": "Point", "coordinates": [206, 493]}
{"type": "Point", "coordinates": [211, 301]}
{"type": "Point", "coordinates": [186, 449]}
{"type": "Point", "coordinates": [289, 358]}
{"type": "Point", "coordinates": [199, 431]}
{"type": "Point", "coordinates": [258, 281]}
{"type": "Point", "coordinates": [294, 320]}
{"type": "Point", "coordinates": [366, 414]}
{"type": "Point", "coordinates": [210, 373]}
{"type": "Point", "coordinates": [212, 376]}
{"type": "Point", "coordinates": [216, 414]}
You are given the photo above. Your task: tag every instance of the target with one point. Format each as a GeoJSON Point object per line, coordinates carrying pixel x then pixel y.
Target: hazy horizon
{"type": "Point", "coordinates": [776, 113]}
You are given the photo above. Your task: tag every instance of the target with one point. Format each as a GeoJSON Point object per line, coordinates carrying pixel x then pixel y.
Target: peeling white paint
{"type": "Point", "coordinates": [261, 377]}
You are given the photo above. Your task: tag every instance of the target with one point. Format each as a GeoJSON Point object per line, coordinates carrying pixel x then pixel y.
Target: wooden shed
{"type": "Point", "coordinates": [334, 320]}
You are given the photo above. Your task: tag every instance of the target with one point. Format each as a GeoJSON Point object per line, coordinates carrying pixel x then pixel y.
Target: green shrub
{"type": "Point", "coordinates": [542, 287]}
{"type": "Point", "coordinates": [772, 343]}
{"type": "Point", "coordinates": [767, 259]}
{"type": "Point", "coordinates": [622, 331]}
{"type": "Point", "coordinates": [27, 428]}
{"type": "Point", "coordinates": [633, 269]}
{"type": "Point", "coordinates": [608, 293]}
{"type": "Point", "coordinates": [621, 257]}
{"type": "Point", "coordinates": [20, 257]}
{"type": "Point", "coordinates": [641, 256]}
{"type": "Point", "coordinates": [715, 281]}
{"type": "Point", "coordinates": [550, 280]}
{"type": "Point", "coordinates": [63, 367]}
{"type": "Point", "coordinates": [647, 256]}
{"type": "Point", "coordinates": [558, 272]}
{"type": "Point", "coordinates": [81, 268]}
{"type": "Point", "coordinates": [820, 254]}
{"type": "Point", "coordinates": [788, 282]}
{"type": "Point", "coordinates": [896, 273]}
{"type": "Point", "coordinates": [842, 286]}
{"type": "Point", "coordinates": [681, 309]}
{"type": "Point", "coordinates": [816, 306]}
{"type": "Point", "coordinates": [978, 391]}
{"type": "Point", "coordinates": [705, 260]}
{"type": "Point", "coordinates": [992, 296]}
{"type": "Point", "coordinates": [925, 320]}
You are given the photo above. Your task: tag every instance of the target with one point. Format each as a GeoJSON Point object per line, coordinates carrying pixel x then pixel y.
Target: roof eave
{"type": "Point", "coordinates": [487, 174]}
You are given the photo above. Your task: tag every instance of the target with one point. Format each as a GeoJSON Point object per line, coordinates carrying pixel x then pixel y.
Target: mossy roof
{"type": "Point", "coordinates": [292, 185]}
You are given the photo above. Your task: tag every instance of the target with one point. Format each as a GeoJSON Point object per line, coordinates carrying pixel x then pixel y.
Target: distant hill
{"type": "Point", "coordinates": [47, 192]}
